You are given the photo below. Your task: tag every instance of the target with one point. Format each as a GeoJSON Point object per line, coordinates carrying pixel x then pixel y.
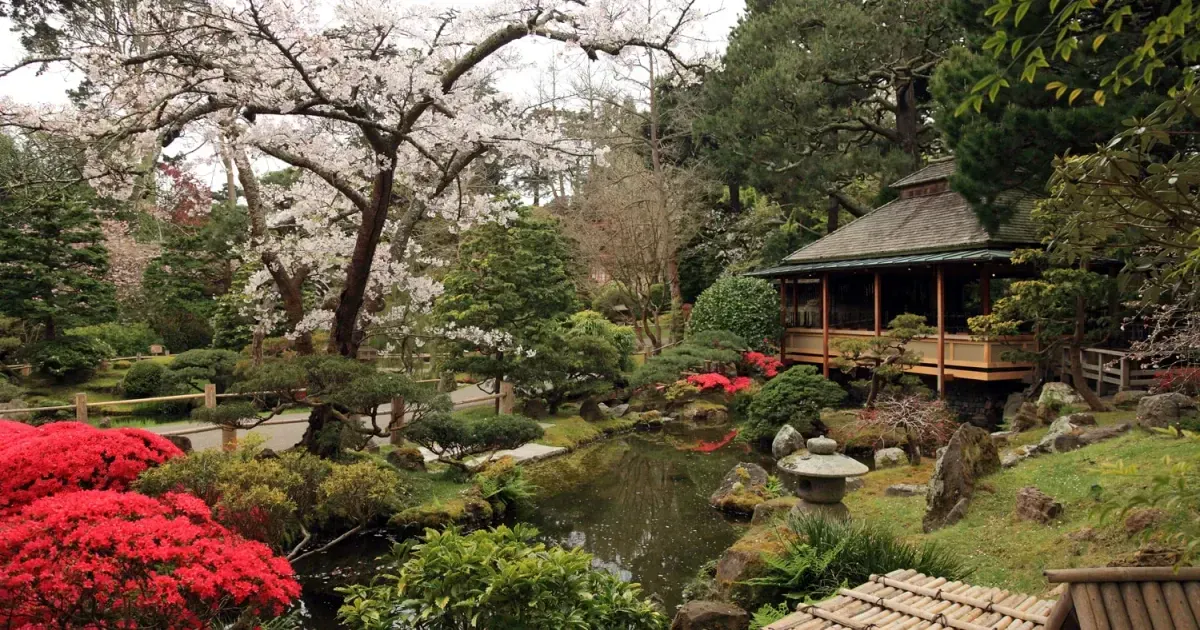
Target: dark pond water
{"type": "Point", "coordinates": [638, 504]}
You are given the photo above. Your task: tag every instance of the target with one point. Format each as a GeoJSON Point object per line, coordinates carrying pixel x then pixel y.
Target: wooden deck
{"type": "Point", "coordinates": [965, 358]}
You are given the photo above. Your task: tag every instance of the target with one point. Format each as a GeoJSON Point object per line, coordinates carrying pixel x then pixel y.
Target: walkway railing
{"type": "Point", "coordinates": [1112, 367]}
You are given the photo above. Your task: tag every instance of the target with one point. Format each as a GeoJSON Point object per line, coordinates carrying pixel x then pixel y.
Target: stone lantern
{"type": "Point", "coordinates": [818, 477]}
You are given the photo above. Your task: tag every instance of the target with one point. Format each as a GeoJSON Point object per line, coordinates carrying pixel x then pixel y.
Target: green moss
{"type": "Point", "coordinates": [574, 431]}
{"type": "Point", "coordinates": [469, 510]}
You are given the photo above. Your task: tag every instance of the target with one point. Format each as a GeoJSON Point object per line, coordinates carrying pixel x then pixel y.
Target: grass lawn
{"type": "Point", "coordinates": [1011, 553]}
{"type": "Point", "coordinates": [103, 386]}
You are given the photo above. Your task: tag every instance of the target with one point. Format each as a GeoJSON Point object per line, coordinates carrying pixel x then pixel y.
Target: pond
{"type": "Point", "coordinates": [638, 504]}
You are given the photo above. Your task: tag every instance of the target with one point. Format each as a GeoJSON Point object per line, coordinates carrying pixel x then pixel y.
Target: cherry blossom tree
{"type": "Point", "coordinates": [385, 107]}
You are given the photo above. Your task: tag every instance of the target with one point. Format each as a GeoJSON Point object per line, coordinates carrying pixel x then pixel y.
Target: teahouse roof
{"type": "Point", "coordinates": [932, 220]}
{"type": "Point", "coordinates": [907, 599]}
{"type": "Point", "coordinates": [1137, 598]}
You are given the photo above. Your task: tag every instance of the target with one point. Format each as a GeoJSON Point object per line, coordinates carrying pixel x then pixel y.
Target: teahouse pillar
{"type": "Point", "coordinates": [878, 305]}
{"type": "Point", "coordinates": [941, 331]}
{"type": "Point", "coordinates": [985, 291]}
{"type": "Point", "coordinates": [825, 324]}
{"type": "Point", "coordinates": [783, 306]}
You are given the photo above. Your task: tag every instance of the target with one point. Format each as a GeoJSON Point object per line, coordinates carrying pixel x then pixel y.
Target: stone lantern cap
{"type": "Point", "coordinates": [822, 460]}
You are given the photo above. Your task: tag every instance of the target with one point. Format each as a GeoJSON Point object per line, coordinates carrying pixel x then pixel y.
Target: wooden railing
{"type": "Point", "coordinates": [1111, 367]}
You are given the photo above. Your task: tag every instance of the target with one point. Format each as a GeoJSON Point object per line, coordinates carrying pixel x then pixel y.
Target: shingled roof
{"type": "Point", "coordinates": [1126, 598]}
{"type": "Point", "coordinates": [907, 599]}
{"type": "Point", "coordinates": [938, 222]}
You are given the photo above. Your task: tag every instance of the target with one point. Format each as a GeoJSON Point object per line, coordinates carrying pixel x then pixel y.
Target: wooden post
{"type": "Point", "coordinates": [985, 291]}
{"type": "Point", "coordinates": [941, 328]}
{"type": "Point", "coordinates": [508, 397]}
{"type": "Point", "coordinates": [210, 396]}
{"type": "Point", "coordinates": [783, 323]}
{"type": "Point", "coordinates": [228, 439]}
{"type": "Point", "coordinates": [81, 407]}
{"type": "Point", "coordinates": [1126, 375]}
{"type": "Point", "coordinates": [878, 304]}
{"type": "Point", "coordinates": [825, 324]}
{"type": "Point", "coordinates": [396, 438]}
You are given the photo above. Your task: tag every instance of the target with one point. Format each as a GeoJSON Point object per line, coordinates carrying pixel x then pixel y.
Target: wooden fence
{"type": "Point", "coordinates": [1109, 367]}
{"type": "Point", "coordinates": [505, 402]}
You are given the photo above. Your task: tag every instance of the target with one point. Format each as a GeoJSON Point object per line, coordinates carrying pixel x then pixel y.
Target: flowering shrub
{"type": "Point", "coordinates": [102, 559]}
{"type": "Point", "coordinates": [923, 423]}
{"type": "Point", "coordinates": [37, 462]}
{"type": "Point", "coordinates": [712, 380]}
{"type": "Point", "coordinates": [768, 365]}
{"type": "Point", "coordinates": [1184, 380]}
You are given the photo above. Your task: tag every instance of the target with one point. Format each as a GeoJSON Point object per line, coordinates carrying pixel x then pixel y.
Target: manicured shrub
{"type": "Point", "coordinates": [822, 555]}
{"type": "Point", "coordinates": [454, 437]}
{"type": "Point", "coordinates": [697, 350]}
{"type": "Point", "coordinates": [68, 358]}
{"type": "Point", "coordinates": [9, 392]}
{"type": "Point", "coordinates": [794, 397]}
{"type": "Point", "coordinates": [122, 365]}
{"type": "Point", "coordinates": [104, 559]}
{"type": "Point", "coordinates": [126, 339]}
{"type": "Point", "coordinates": [213, 366]}
{"type": "Point", "coordinates": [63, 457]}
{"type": "Point", "coordinates": [764, 364]}
{"type": "Point", "coordinates": [719, 382]}
{"type": "Point", "coordinates": [748, 307]}
{"type": "Point", "coordinates": [146, 379]}
{"type": "Point", "coordinates": [497, 578]}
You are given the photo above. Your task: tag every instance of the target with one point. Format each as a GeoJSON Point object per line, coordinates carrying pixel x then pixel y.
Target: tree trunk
{"type": "Point", "coordinates": [345, 336]}
{"type": "Point", "coordinates": [873, 391]}
{"type": "Point", "coordinates": [735, 195]}
{"type": "Point", "coordinates": [831, 215]}
{"type": "Point", "coordinates": [912, 448]}
{"type": "Point", "coordinates": [1076, 347]}
{"type": "Point", "coordinates": [908, 123]}
{"type": "Point", "coordinates": [321, 420]}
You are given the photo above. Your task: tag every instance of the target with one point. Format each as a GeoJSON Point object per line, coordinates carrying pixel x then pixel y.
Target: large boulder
{"type": "Point", "coordinates": [710, 615]}
{"type": "Point", "coordinates": [890, 457]}
{"type": "Point", "coordinates": [592, 410]}
{"type": "Point", "coordinates": [408, 458]}
{"type": "Point", "coordinates": [182, 442]}
{"type": "Point", "coordinates": [535, 408]}
{"type": "Point", "coordinates": [1129, 398]}
{"type": "Point", "coordinates": [1013, 404]}
{"type": "Point", "coordinates": [1018, 455]}
{"type": "Point", "coordinates": [741, 490]}
{"type": "Point", "coordinates": [1025, 419]}
{"type": "Point", "coordinates": [1104, 433]}
{"type": "Point", "coordinates": [1059, 395]}
{"type": "Point", "coordinates": [786, 442]}
{"type": "Point", "coordinates": [705, 413]}
{"type": "Point", "coordinates": [745, 560]}
{"type": "Point", "coordinates": [618, 411]}
{"type": "Point", "coordinates": [1059, 428]}
{"type": "Point", "coordinates": [1035, 505]}
{"type": "Point", "coordinates": [1165, 410]}
{"type": "Point", "coordinates": [772, 509]}
{"type": "Point", "coordinates": [970, 455]}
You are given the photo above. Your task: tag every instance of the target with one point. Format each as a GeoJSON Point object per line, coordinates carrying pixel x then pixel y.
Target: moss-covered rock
{"type": "Point", "coordinates": [745, 561]}
{"type": "Point", "coordinates": [742, 489]}
{"type": "Point", "coordinates": [772, 510]}
{"type": "Point", "coordinates": [705, 413]}
{"type": "Point", "coordinates": [470, 511]}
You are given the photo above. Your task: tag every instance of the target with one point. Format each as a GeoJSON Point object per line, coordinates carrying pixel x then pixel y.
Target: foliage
{"type": "Point", "coordinates": [504, 481]}
{"type": "Point", "coordinates": [104, 559]}
{"type": "Point", "coordinates": [768, 614]}
{"type": "Point", "coordinates": [53, 262]}
{"type": "Point", "coordinates": [584, 355]}
{"type": "Point", "coordinates": [64, 457]}
{"type": "Point", "coordinates": [1173, 486]}
{"type": "Point", "coordinates": [453, 437]}
{"type": "Point", "coordinates": [496, 579]}
{"type": "Point", "coordinates": [145, 379]}
{"type": "Point", "coordinates": [360, 492]}
{"type": "Point", "coordinates": [1184, 380]}
{"type": "Point", "coordinates": [886, 357]}
{"type": "Point", "coordinates": [697, 350]}
{"type": "Point", "coordinates": [68, 358]}
{"type": "Point", "coordinates": [713, 380]}
{"type": "Point", "coordinates": [822, 555]}
{"type": "Point", "coordinates": [212, 366]}
{"type": "Point", "coordinates": [747, 307]}
{"type": "Point", "coordinates": [9, 391]}
{"type": "Point", "coordinates": [794, 397]}
{"type": "Point", "coordinates": [125, 338]}
{"type": "Point", "coordinates": [508, 282]}
{"type": "Point", "coordinates": [925, 423]}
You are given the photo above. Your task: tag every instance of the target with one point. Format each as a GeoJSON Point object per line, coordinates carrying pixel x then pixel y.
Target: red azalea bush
{"type": "Point", "coordinates": [712, 380]}
{"type": "Point", "coordinates": [1183, 380]}
{"type": "Point", "coordinates": [37, 462]}
{"type": "Point", "coordinates": [102, 559]}
{"type": "Point", "coordinates": [767, 364]}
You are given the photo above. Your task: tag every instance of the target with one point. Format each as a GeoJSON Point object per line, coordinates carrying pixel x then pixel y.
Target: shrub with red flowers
{"type": "Point", "coordinates": [764, 363]}
{"type": "Point", "coordinates": [38, 462]}
{"type": "Point", "coordinates": [712, 381]}
{"type": "Point", "coordinates": [103, 559]}
{"type": "Point", "coordinates": [1183, 380]}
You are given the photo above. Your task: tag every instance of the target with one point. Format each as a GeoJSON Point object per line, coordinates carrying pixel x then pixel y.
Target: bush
{"type": "Point", "coordinates": [1183, 380]}
{"type": "Point", "coordinates": [146, 379]}
{"type": "Point", "coordinates": [496, 579]}
{"type": "Point", "coordinates": [748, 307]}
{"type": "Point", "coordinates": [794, 397]}
{"type": "Point", "coordinates": [212, 366]}
{"type": "Point", "coordinates": [822, 555]}
{"type": "Point", "coordinates": [454, 437]}
{"type": "Point", "coordinates": [126, 339]}
{"type": "Point", "coordinates": [122, 365]}
{"type": "Point", "coordinates": [50, 416]}
{"type": "Point", "coordinates": [68, 358]}
{"type": "Point", "coordinates": [70, 456]}
{"type": "Point", "coordinates": [103, 559]}
{"type": "Point", "coordinates": [504, 482]}
{"type": "Point", "coordinates": [697, 350]}
{"type": "Point", "coordinates": [9, 392]}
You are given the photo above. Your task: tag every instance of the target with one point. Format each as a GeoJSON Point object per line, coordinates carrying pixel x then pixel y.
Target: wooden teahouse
{"type": "Point", "coordinates": [926, 253]}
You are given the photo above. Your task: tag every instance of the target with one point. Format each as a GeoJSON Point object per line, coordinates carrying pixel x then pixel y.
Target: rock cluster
{"type": "Point", "coordinates": [1064, 436]}
{"type": "Point", "coordinates": [970, 455]}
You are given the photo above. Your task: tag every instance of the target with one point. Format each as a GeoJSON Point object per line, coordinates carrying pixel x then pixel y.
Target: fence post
{"type": "Point", "coordinates": [1126, 377]}
{"type": "Point", "coordinates": [396, 438]}
{"type": "Point", "coordinates": [81, 407]}
{"type": "Point", "coordinates": [228, 438]}
{"type": "Point", "coordinates": [210, 395]}
{"type": "Point", "coordinates": [508, 397]}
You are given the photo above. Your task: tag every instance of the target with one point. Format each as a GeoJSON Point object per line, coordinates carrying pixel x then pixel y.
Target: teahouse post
{"type": "Point", "coordinates": [941, 331]}
{"type": "Point", "coordinates": [825, 324]}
